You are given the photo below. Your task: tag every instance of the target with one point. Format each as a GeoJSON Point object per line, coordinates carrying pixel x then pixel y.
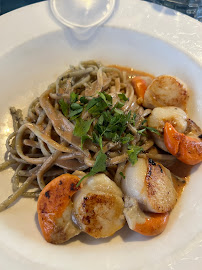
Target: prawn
{"type": "Point", "coordinates": [160, 115]}
{"type": "Point", "coordinates": [185, 148]}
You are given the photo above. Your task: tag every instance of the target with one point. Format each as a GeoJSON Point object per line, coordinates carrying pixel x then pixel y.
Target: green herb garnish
{"type": "Point", "coordinates": [99, 166]}
{"type": "Point", "coordinates": [111, 124]}
{"type": "Point", "coordinates": [107, 98]}
{"type": "Point", "coordinates": [143, 128]}
{"type": "Point", "coordinates": [83, 100]}
{"type": "Point", "coordinates": [118, 105]}
{"type": "Point", "coordinates": [127, 138]}
{"type": "Point", "coordinates": [73, 97]}
{"type": "Point", "coordinates": [153, 130]}
{"type": "Point", "coordinates": [63, 107]}
{"type": "Point", "coordinates": [133, 151]}
{"type": "Point", "coordinates": [122, 175]}
{"type": "Point", "coordinates": [96, 106]}
{"type": "Point", "coordinates": [97, 139]}
{"type": "Point", "coordinates": [75, 114]}
{"type": "Point", "coordinates": [82, 127]}
{"type": "Point", "coordinates": [75, 106]}
{"type": "Point", "coordinates": [122, 97]}
{"type": "Point", "coordinates": [118, 111]}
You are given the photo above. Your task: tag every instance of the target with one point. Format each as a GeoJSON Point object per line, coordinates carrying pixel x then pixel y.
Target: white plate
{"type": "Point", "coordinates": [34, 50]}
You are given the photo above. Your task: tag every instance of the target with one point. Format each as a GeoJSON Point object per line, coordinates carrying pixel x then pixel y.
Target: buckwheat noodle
{"type": "Point", "coordinates": [42, 146]}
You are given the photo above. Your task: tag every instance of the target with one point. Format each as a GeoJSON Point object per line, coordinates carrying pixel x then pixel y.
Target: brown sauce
{"type": "Point", "coordinates": [179, 186]}
{"type": "Point", "coordinates": [183, 171]}
{"type": "Point", "coordinates": [133, 72]}
{"type": "Point", "coordinates": [178, 168]}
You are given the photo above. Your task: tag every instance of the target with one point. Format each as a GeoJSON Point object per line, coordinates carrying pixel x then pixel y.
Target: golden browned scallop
{"type": "Point", "coordinates": [98, 207]}
{"type": "Point", "coordinates": [150, 183]}
{"type": "Point", "coordinates": [54, 209]}
{"type": "Point", "coordinates": [148, 224]}
{"type": "Point", "coordinates": [164, 91]}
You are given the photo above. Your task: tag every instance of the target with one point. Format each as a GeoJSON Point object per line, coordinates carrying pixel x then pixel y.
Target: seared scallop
{"type": "Point", "coordinates": [150, 183]}
{"type": "Point", "coordinates": [164, 91]}
{"type": "Point", "coordinates": [55, 209]}
{"type": "Point", "coordinates": [98, 207]}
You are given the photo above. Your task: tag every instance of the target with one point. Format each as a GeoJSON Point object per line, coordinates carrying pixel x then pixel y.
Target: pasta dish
{"type": "Point", "coordinates": [98, 149]}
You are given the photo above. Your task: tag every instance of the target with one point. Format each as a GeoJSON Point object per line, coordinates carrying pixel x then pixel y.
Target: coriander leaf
{"type": "Point", "coordinates": [113, 126]}
{"type": "Point", "coordinates": [127, 138]}
{"type": "Point", "coordinates": [75, 106]}
{"type": "Point", "coordinates": [83, 100]}
{"type": "Point", "coordinates": [91, 103]}
{"type": "Point", "coordinates": [122, 97]}
{"type": "Point", "coordinates": [100, 163]}
{"type": "Point", "coordinates": [144, 121]}
{"type": "Point", "coordinates": [121, 174]}
{"type": "Point", "coordinates": [96, 106]}
{"type": "Point", "coordinates": [115, 137]}
{"type": "Point", "coordinates": [99, 166]}
{"type": "Point", "coordinates": [100, 120]}
{"type": "Point", "coordinates": [153, 130]}
{"type": "Point", "coordinates": [141, 131]}
{"type": "Point", "coordinates": [74, 114]}
{"type": "Point", "coordinates": [118, 111]}
{"type": "Point", "coordinates": [132, 120]}
{"type": "Point", "coordinates": [134, 116]}
{"type": "Point", "coordinates": [100, 142]}
{"type": "Point", "coordinates": [97, 139]}
{"type": "Point", "coordinates": [133, 151]}
{"type": "Point", "coordinates": [73, 97]}
{"type": "Point", "coordinates": [99, 128]}
{"type": "Point", "coordinates": [64, 107]}
{"type": "Point", "coordinates": [106, 115]}
{"type": "Point", "coordinates": [82, 127]}
{"type": "Point", "coordinates": [107, 98]}
{"type": "Point", "coordinates": [118, 105]}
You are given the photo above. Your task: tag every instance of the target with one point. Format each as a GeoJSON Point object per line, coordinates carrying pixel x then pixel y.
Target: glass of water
{"type": "Point", "coordinates": [82, 16]}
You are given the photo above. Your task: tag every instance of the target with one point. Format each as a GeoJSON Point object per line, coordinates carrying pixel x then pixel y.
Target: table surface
{"type": "Point", "coordinates": [191, 10]}
{"type": "Point", "coordinates": [8, 5]}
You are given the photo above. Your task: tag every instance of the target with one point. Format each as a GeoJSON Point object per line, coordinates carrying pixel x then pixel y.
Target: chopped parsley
{"type": "Point", "coordinates": [73, 97]}
{"type": "Point", "coordinates": [63, 107]}
{"type": "Point", "coordinates": [111, 124]}
{"type": "Point", "coordinates": [122, 175]}
{"type": "Point", "coordinates": [123, 97]}
{"type": "Point", "coordinates": [99, 166]}
{"type": "Point", "coordinates": [133, 151]}
{"type": "Point", "coordinates": [144, 128]}
{"type": "Point", "coordinates": [82, 127]}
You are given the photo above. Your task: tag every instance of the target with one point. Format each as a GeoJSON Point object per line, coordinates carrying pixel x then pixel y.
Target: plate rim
{"type": "Point", "coordinates": [110, 23]}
